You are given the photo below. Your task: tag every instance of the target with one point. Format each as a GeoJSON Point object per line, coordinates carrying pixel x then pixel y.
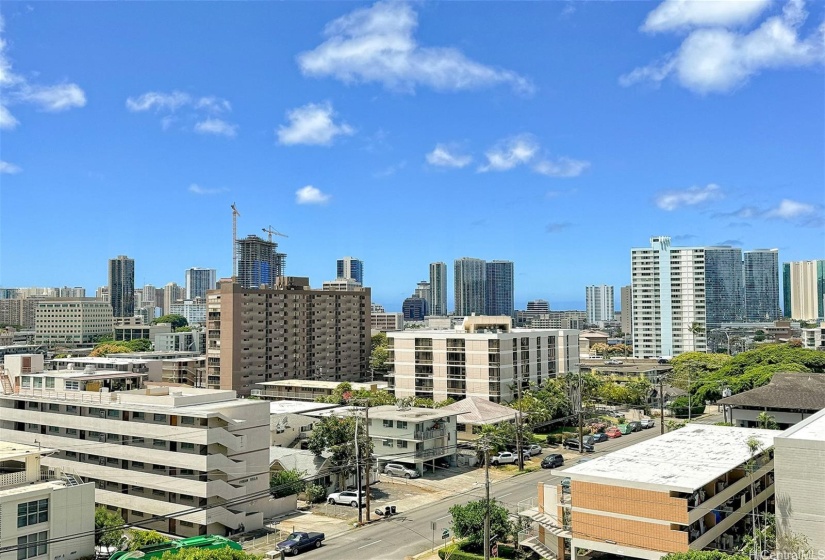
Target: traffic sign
{"type": "Point", "coordinates": [445, 534]}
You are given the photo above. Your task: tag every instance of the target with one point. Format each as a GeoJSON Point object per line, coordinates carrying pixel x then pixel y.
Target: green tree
{"type": "Point", "coordinates": [315, 493]}
{"type": "Point", "coordinates": [337, 435]}
{"type": "Point", "coordinates": [759, 336]}
{"type": "Point", "coordinates": [204, 554]}
{"type": "Point", "coordinates": [599, 349]}
{"type": "Point", "coordinates": [174, 319]}
{"type": "Point", "coordinates": [184, 329]}
{"type": "Point", "coordinates": [140, 345]}
{"type": "Point", "coordinates": [286, 483]}
{"type": "Point", "coordinates": [138, 538]}
{"type": "Point", "coordinates": [108, 527]}
{"type": "Point", "coordinates": [766, 421]}
{"type": "Point", "coordinates": [379, 351]}
{"type": "Point", "coordinates": [106, 348]}
{"type": "Point", "coordinates": [468, 522]}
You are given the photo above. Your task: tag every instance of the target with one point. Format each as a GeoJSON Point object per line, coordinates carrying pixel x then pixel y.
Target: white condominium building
{"type": "Point", "coordinates": [72, 321]}
{"type": "Point", "coordinates": [483, 358]}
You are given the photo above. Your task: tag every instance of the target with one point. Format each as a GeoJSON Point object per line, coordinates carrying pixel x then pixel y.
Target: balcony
{"type": "Point", "coordinates": [430, 434]}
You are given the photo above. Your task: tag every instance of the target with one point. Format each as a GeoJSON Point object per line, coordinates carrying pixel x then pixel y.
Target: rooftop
{"type": "Point", "coordinates": [811, 428]}
{"type": "Point", "coordinates": [315, 384]}
{"type": "Point", "coordinates": [301, 460]}
{"type": "Point", "coordinates": [414, 413]}
{"type": "Point", "coordinates": [297, 407]}
{"type": "Point", "coordinates": [19, 451]}
{"type": "Point", "coordinates": [682, 460]}
{"type": "Point", "coordinates": [476, 410]}
{"type": "Point", "coordinates": [100, 360]}
{"type": "Point", "coordinates": [794, 391]}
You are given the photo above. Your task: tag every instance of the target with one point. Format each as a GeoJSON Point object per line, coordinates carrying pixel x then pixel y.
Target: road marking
{"type": "Point", "coordinates": [507, 494]}
{"type": "Point", "coordinates": [445, 517]}
{"type": "Point", "coordinates": [366, 545]}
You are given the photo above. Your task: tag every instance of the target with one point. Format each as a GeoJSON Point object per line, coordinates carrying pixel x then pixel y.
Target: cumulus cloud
{"type": "Point", "coordinates": [790, 209]}
{"type": "Point", "coordinates": [524, 149]}
{"type": "Point", "coordinates": [15, 88]}
{"type": "Point", "coordinates": [445, 156]}
{"type": "Point", "coordinates": [377, 44]}
{"type": "Point", "coordinates": [555, 227]}
{"type": "Point", "coordinates": [672, 200]}
{"type": "Point", "coordinates": [312, 124]}
{"type": "Point", "coordinates": [677, 14]}
{"type": "Point", "coordinates": [10, 168]}
{"type": "Point", "coordinates": [199, 190]}
{"type": "Point", "coordinates": [311, 195]}
{"type": "Point", "coordinates": [714, 59]}
{"type": "Point", "coordinates": [216, 126]}
{"type": "Point", "coordinates": [178, 106]}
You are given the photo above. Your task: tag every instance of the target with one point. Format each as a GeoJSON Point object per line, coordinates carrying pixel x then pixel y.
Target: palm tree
{"type": "Point", "coordinates": [766, 421]}
{"type": "Point", "coordinates": [696, 329]}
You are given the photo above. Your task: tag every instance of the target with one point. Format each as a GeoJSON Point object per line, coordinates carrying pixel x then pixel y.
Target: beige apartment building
{"type": "Point", "coordinates": [386, 322]}
{"type": "Point", "coordinates": [289, 331]}
{"type": "Point", "coordinates": [484, 358]}
{"type": "Point", "coordinates": [72, 321]}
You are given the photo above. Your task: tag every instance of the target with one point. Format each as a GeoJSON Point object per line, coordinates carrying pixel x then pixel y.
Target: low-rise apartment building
{"type": "Point", "coordinates": [386, 322]}
{"type": "Point", "coordinates": [690, 489]}
{"type": "Point", "coordinates": [68, 322]}
{"type": "Point", "coordinates": [307, 389]}
{"type": "Point", "coordinates": [47, 513]}
{"type": "Point", "coordinates": [178, 460]}
{"type": "Point", "coordinates": [483, 358]}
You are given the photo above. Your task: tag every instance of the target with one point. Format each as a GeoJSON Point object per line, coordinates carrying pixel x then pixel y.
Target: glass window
{"type": "Point", "coordinates": [50, 383]}
{"type": "Point", "coordinates": [401, 425]}
{"type": "Point", "coordinates": [185, 445]}
{"type": "Point", "coordinates": [54, 430]}
{"type": "Point", "coordinates": [70, 407]}
{"type": "Point", "coordinates": [137, 464]}
{"type": "Point", "coordinates": [138, 415]}
{"type": "Point", "coordinates": [32, 513]}
{"type": "Point", "coordinates": [72, 386]}
{"type": "Point", "coordinates": [187, 420]}
{"type": "Point", "coordinates": [159, 443]}
{"type": "Point", "coordinates": [113, 414]}
{"type": "Point", "coordinates": [30, 546]}
{"type": "Point", "coordinates": [388, 423]}
{"type": "Point", "coordinates": [159, 417]}
{"type": "Point", "coordinates": [71, 431]}
{"type": "Point", "coordinates": [38, 382]}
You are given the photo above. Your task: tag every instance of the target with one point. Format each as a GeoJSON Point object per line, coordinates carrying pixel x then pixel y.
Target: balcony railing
{"type": "Point", "coordinates": [430, 434]}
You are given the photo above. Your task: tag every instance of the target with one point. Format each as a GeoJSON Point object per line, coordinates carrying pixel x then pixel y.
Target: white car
{"type": "Point", "coordinates": [345, 498]}
{"type": "Point", "coordinates": [396, 469]}
{"type": "Point", "coordinates": [648, 423]}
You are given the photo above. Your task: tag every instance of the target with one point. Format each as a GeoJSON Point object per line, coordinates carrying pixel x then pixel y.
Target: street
{"type": "Point", "coordinates": [410, 532]}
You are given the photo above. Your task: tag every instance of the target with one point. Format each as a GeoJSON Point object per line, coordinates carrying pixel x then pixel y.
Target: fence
{"type": "Point", "coordinates": [264, 542]}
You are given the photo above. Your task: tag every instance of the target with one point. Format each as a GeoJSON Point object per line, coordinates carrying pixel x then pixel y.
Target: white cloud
{"type": "Point", "coordinates": [442, 156]}
{"type": "Point", "coordinates": [158, 101]}
{"type": "Point", "coordinates": [10, 168]}
{"type": "Point", "coordinates": [311, 195]}
{"type": "Point", "coordinates": [715, 59]}
{"type": "Point", "coordinates": [561, 167]}
{"type": "Point", "coordinates": [216, 126]}
{"type": "Point", "coordinates": [376, 44]}
{"type": "Point", "coordinates": [676, 14]}
{"type": "Point", "coordinates": [312, 124]}
{"type": "Point", "coordinates": [673, 200]}
{"type": "Point", "coordinates": [197, 189]}
{"type": "Point", "coordinates": [511, 152]}
{"type": "Point", "coordinates": [17, 89]}
{"type": "Point", "coordinates": [213, 104]}
{"type": "Point", "coordinates": [790, 209]}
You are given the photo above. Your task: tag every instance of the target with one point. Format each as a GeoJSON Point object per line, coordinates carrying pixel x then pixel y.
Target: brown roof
{"type": "Point", "coordinates": [475, 410]}
{"type": "Point", "coordinates": [791, 391]}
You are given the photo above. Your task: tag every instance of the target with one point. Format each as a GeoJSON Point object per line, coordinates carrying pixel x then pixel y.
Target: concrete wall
{"type": "Point", "coordinates": [800, 489]}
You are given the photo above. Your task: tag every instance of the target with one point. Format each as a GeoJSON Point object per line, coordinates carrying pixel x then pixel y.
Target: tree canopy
{"type": "Point", "coordinates": [108, 527]}
{"type": "Point", "coordinates": [138, 538]}
{"type": "Point", "coordinates": [337, 435]}
{"type": "Point", "coordinates": [136, 345]}
{"type": "Point", "coordinates": [206, 554]}
{"type": "Point", "coordinates": [174, 319]}
{"type": "Point", "coordinates": [468, 522]}
{"type": "Point", "coordinates": [379, 352]}
{"type": "Point", "coordinates": [286, 482]}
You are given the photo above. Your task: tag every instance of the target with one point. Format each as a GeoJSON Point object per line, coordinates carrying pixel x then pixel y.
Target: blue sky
{"type": "Point", "coordinates": [557, 135]}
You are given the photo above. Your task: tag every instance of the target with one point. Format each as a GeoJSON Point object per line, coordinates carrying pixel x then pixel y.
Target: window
{"type": "Point", "coordinates": [158, 493]}
{"type": "Point", "coordinates": [54, 407]}
{"type": "Point", "coordinates": [32, 545]}
{"type": "Point", "coordinates": [158, 468]}
{"type": "Point", "coordinates": [70, 407]}
{"type": "Point", "coordinates": [159, 443]}
{"type": "Point", "coordinates": [26, 382]}
{"type": "Point", "coordinates": [401, 425]}
{"type": "Point", "coordinates": [137, 440]}
{"type": "Point", "coordinates": [159, 417]}
{"type": "Point", "coordinates": [50, 383]}
{"type": "Point", "coordinates": [401, 443]}
{"type": "Point", "coordinates": [32, 513]}
{"type": "Point", "coordinates": [54, 430]}
{"type": "Point", "coordinates": [138, 415]}
{"type": "Point", "coordinates": [187, 420]}
{"type": "Point", "coordinates": [113, 414]}
{"type": "Point", "coordinates": [187, 446]}
{"type": "Point", "coordinates": [136, 513]}
{"type": "Point", "coordinates": [71, 454]}
{"type": "Point", "coordinates": [186, 524]}
{"type": "Point", "coordinates": [72, 386]}
{"type": "Point", "coordinates": [187, 472]}
{"type": "Point", "coordinates": [388, 423]}
{"type": "Point", "coordinates": [387, 443]}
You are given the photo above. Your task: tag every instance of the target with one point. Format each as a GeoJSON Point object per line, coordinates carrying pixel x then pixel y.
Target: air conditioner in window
{"type": "Point", "coordinates": [101, 461]}
{"type": "Point", "coordinates": [102, 413]}
{"type": "Point", "coordinates": [101, 437]}
{"type": "Point", "coordinates": [101, 484]}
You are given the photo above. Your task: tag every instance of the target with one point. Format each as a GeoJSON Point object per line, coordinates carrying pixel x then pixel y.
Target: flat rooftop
{"type": "Point", "coordinates": [100, 360]}
{"type": "Point", "coordinates": [298, 407]}
{"type": "Point", "coordinates": [415, 414]}
{"type": "Point", "coordinates": [315, 384]}
{"type": "Point", "coordinates": [19, 451]}
{"type": "Point", "coordinates": [79, 374]}
{"type": "Point", "coordinates": [682, 460]}
{"type": "Point", "coordinates": [811, 428]}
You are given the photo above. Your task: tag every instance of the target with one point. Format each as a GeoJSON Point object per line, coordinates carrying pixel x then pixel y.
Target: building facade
{"type": "Point", "coordinates": [72, 321]}
{"type": "Point", "coordinates": [627, 309]}
{"type": "Point", "coordinates": [414, 308]}
{"type": "Point", "coordinates": [194, 311]}
{"type": "Point", "coordinates": [350, 267]}
{"type": "Point", "coordinates": [386, 322]}
{"type": "Point", "coordinates": [412, 436]}
{"type": "Point", "coordinates": [485, 358]}
{"type": "Point", "coordinates": [500, 293]}
{"type": "Point", "coordinates": [803, 290]}
{"type": "Point", "coordinates": [259, 262]}
{"type": "Point", "coordinates": [599, 304]}
{"type": "Point", "coordinates": [438, 288]}
{"type": "Point", "coordinates": [48, 513]}
{"type": "Point", "coordinates": [199, 281]}
{"type": "Point", "coordinates": [122, 286]}
{"type": "Point", "coordinates": [761, 274]}
{"type": "Point", "coordinates": [424, 290]}
{"type": "Point", "coordinates": [470, 286]}
{"type": "Point", "coordinates": [285, 332]}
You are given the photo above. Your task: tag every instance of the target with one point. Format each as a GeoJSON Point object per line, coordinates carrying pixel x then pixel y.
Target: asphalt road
{"type": "Point", "coordinates": [410, 532]}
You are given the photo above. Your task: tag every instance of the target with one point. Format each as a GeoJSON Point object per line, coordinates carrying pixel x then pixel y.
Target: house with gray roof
{"type": "Point", "coordinates": [789, 398]}
{"type": "Point", "coordinates": [475, 412]}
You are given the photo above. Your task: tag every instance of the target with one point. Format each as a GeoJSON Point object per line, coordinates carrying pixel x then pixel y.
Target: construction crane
{"type": "Point", "coordinates": [235, 215]}
{"type": "Point", "coordinates": [272, 232]}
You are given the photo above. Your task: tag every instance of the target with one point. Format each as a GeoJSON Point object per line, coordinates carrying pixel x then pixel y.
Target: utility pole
{"type": "Point", "coordinates": [519, 443]}
{"type": "Point", "coordinates": [367, 434]}
{"type": "Point", "coordinates": [485, 447]}
{"type": "Point", "coordinates": [662, 404]}
{"type": "Point", "coordinates": [358, 473]}
{"type": "Point", "coordinates": [581, 415]}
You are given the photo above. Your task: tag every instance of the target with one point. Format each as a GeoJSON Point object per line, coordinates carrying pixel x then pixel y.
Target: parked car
{"type": "Point", "coordinates": [552, 461]}
{"type": "Point", "coordinates": [599, 437]}
{"type": "Point", "coordinates": [613, 432]}
{"type": "Point", "coordinates": [664, 361]}
{"type": "Point", "coordinates": [614, 362]}
{"type": "Point", "coordinates": [504, 458]}
{"type": "Point", "coordinates": [347, 498]}
{"type": "Point", "coordinates": [396, 469]}
{"type": "Point", "coordinates": [625, 429]}
{"type": "Point", "coordinates": [299, 541]}
{"type": "Point", "coordinates": [525, 451]}
{"type": "Point", "coordinates": [635, 426]}
{"type": "Point", "coordinates": [573, 443]}
{"type": "Point", "coordinates": [648, 423]}
{"type": "Point", "coordinates": [533, 449]}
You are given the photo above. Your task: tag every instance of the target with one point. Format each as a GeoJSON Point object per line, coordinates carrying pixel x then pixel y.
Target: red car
{"type": "Point", "coordinates": [613, 432]}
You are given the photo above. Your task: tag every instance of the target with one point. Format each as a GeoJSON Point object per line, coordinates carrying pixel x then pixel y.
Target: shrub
{"type": "Point", "coordinates": [315, 493]}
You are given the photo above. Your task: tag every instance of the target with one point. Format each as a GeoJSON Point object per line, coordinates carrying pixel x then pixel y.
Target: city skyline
{"type": "Point", "coordinates": [585, 144]}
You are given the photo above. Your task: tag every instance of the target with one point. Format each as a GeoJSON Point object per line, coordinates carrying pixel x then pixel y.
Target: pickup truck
{"type": "Point", "coordinates": [300, 541]}
{"type": "Point", "coordinates": [504, 458]}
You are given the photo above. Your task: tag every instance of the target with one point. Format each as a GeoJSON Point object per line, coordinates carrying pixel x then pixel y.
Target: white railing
{"type": "Point", "coordinates": [73, 396]}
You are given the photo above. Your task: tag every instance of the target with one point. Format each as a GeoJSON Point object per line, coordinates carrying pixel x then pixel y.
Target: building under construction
{"type": "Point", "coordinates": [259, 262]}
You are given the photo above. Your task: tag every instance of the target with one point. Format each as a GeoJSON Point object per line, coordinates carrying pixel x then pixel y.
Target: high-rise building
{"type": "Point", "coordinates": [259, 262]}
{"type": "Point", "coordinates": [680, 294]}
{"type": "Point", "coordinates": [424, 291]}
{"type": "Point", "coordinates": [287, 331]}
{"type": "Point", "coordinates": [761, 275]}
{"type": "Point", "coordinates": [76, 292]}
{"type": "Point", "coordinates": [599, 304]}
{"type": "Point", "coordinates": [350, 267]}
{"type": "Point", "coordinates": [199, 281]}
{"type": "Point", "coordinates": [172, 293]}
{"type": "Point", "coordinates": [438, 288]}
{"type": "Point", "coordinates": [499, 288]}
{"type": "Point", "coordinates": [414, 308]}
{"type": "Point", "coordinates": [122, 286]}
{"type": "Point", "coordinates": [803, 289]}
{"type": "Point", "coordinates": [470, 286]}
{"type": "Point", "coordinates": [538, 306]}
{"type": "Point", "coordinates": [627, 309]}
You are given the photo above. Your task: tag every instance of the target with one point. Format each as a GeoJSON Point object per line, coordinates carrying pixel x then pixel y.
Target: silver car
{"type": "Point", "coordinates": [396, 469]}
{"type": "Point", "coordinates": [534, 449]}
